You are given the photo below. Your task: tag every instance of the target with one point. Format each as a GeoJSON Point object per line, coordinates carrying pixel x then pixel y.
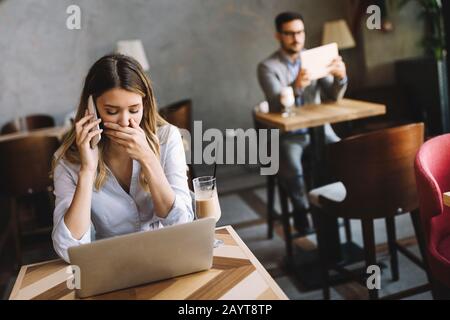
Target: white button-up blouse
{"type": "Point", "coordinates": [114, 211]}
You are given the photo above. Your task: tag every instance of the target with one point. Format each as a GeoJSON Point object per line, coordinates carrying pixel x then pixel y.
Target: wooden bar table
{"type": "Point", "coordinates": [446, 199]}
{"type": "Point", "coordinates": [236, 275]}
{"type": "Point", "coordinates": [309, 116]}
{"type": "Point", "coordinates": [314, 117]}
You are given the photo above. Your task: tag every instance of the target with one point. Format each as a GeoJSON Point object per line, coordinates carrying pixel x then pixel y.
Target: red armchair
{"type": "Point", "coordinates": [432, 167]}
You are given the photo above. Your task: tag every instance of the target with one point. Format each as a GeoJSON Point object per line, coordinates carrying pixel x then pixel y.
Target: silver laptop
{"type": "Point", "coordinates": [134, 259]}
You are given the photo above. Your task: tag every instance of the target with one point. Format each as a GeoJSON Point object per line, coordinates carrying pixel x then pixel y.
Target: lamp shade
{"type": "Point", "coordinates": [134, 49]}
{"type": "Point", "coordinates": [338, 31]}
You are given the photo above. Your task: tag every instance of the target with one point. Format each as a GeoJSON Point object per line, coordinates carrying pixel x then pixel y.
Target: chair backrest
{"type": "Point", "coordinates": [25, 165]}
{"type": "Point", "coordinates": [432, 168]}
{"type": "Point", "coordinates": [377, 170]}
{"type": "Point", "coordinates": [30, 122]}
{"type": "Point", "coordinates": [179, 114]}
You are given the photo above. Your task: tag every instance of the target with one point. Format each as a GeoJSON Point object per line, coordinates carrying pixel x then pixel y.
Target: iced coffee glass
{"type": "Point", "coordinates": [206, 200]}
{"type": "Point", "coordinates": [287, 100]}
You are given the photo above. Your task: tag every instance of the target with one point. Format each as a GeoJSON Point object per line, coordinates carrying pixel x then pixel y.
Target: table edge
{"type": "Point", "coordinates": [259, 267]}
{"type": "Point", "coordinates": [19, 279]}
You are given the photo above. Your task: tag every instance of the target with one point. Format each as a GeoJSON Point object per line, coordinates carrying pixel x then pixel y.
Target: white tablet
{"type": "Point", "coordinates": [317, 60]}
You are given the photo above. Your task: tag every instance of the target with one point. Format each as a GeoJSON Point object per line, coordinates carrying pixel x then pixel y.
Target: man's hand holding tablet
{"type": "Point", "coordinates": [303, 79]}
{"type": "Point", "coordinates": [322, 61]}
{"type": "Point", "coordinates": [338, 69]}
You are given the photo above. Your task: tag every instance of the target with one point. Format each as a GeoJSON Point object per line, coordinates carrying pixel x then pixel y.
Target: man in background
{"type": "Point", "coordinates": [282, 69]}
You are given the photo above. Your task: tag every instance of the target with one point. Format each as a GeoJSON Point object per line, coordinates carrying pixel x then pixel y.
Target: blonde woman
{"type": "Point", "coordinates": [135, 178]}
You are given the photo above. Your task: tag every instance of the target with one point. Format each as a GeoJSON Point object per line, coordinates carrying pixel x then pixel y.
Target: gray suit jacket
{"type": "Point", "coordinates": [273, 75]}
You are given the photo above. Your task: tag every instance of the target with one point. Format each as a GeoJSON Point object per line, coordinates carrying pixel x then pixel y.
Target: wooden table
{"type": "Point", "coordinates": [309, 116]}
{"type": "Point", "coordinates": [236, 274]}
{"type": "Point", "coordinates": [446, 199]}
{"type": "Point", "coordinates": [58, 132]}
{"type": "Point", "coordinates": [315, 117]}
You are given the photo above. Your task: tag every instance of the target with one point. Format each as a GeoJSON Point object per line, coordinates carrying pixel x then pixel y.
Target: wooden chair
{"type": "Point", "coordinates": [24, 167]}
{"type": "Point", "coordinates": [179, 114]}
{"type": "Point", "coordinates": [376, 180]}
{"type": "Point", "coordinates": [28, 123]}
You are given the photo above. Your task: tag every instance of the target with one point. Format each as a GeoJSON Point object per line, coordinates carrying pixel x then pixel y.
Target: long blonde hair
{"type": "Point", "coordinates": [109, 72]}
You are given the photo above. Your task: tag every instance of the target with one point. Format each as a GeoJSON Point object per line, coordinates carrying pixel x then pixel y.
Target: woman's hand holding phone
{"type": "Point", "coordinates": [93, 110]}
{"type": "Point", "coordinates": [84, 135]}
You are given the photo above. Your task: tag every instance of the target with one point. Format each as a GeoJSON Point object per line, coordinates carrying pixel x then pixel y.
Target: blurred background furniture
{"type": "Point", "coordinates": [28, 123]}
{"type": "Point", "coordinates": [432, 167]}
{"type": "Point", "coordinates": [314, 117]}
{"type": "Point", "coordinates": [379, 183]}
{"type": "Point", "coordinates": [272, 182]}
{"type": "Point", "coordinates": [179, 114]}
{"type": "Point", "coordinates": [398, 111]}
{"type": "Point", "coordinates": [24, 167]}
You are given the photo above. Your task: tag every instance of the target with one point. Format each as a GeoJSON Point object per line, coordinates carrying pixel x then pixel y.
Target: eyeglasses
{"type": "Point", "coordinates": [293, 33]}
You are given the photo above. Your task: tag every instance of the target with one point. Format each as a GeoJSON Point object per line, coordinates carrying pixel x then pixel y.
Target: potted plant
{"type": "Point", "coordinates": [431, 13]}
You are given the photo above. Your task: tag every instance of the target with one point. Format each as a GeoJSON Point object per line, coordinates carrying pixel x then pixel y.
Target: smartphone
{"type": "Point", "coordinates": [93, 110]}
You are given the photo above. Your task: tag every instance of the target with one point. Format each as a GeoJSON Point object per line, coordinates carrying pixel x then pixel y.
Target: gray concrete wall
{"type": "Point", "coordinates": [382, 49]}
{"type": "Point", "coordinates": [206, 50]}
